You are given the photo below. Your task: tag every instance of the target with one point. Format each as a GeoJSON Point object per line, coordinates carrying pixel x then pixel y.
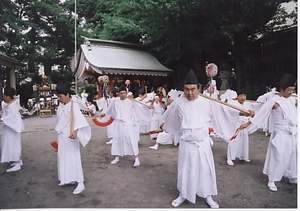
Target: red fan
{"type": "Point", "coordinates": [235, 134]}
{"type": "Point", "coordinates": [210, 130]}
{"type": "Point", "coordinates": [103, 122]}
{"type": "Point", "coordinates": [54, 144]}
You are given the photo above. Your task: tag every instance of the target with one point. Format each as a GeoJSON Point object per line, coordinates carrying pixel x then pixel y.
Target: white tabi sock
{"type": "Point", "coordinates": [79, 189]}
{"type": "Point", "coordinates": [136, 162]}
{"type": "Point", "coordinates": [116, 160]}
{"type": "Point", "coordinates": [154, 147]}
{"type": "Point", "coordinates": [211, 203]}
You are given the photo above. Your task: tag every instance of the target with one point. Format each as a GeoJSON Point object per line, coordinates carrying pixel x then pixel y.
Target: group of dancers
{"type": "Point", "coordinates": [187, 119]}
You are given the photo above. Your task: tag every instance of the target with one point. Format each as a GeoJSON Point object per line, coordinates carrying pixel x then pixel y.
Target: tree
{"type": "Point", "coordinates": [184, 35]}
{"type": "Point", "coordinates": [282, 18]}
{"type": "Point", "coordinates": [38, 33]}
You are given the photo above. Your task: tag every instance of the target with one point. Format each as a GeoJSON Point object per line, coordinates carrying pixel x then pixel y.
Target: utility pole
{"type": "Point", "coordinates": [75, 35]}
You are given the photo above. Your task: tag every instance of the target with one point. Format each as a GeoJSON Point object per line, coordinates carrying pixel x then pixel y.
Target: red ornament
{"type": "Point", "coordinates": [54, 144]}
{"type": "Point", "coordinates": [235, 134]}
{"type": "Point", "coordinates": [100, 121]}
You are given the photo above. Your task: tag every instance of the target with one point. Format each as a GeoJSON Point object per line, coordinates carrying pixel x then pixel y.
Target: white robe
{"type": "Point", "coordinates": [92, 107]}
{"type": "Point", "coordinates": [216, 92]}
{"type": "Point", "coordinates": [125, 140]}
{"type": "Point", "coordinates": [267, 127]}
{"type": "Point", "coordinates": [110, 128]}
{"type": "Point", "coordinates": [239, 147]}
{"type": "Point", "coordinates": [12, 127]}
{"type": "Point", "coordinates": [68, 155]}
{"type": "Point", "coordinates": [196, 169]}
{"type": "Point", "coordinates": [165, 138]}
{"type": "Point", "coordinates": [103, 104]}
{"type": "Point", "coordinates": [168, 138]}
{"type": "Point", "coordinates": [143, 122]}
{"type": "Point", "coordinates": [228, 95]}
{"type": "Point", "coordinates": [155, 119]}
{"type": "Point", "coordinates": [281, 157]}
{"type": "Point", "coordinates": [84, 98]}
{"type": "Point", "coordinates": [80, 103]}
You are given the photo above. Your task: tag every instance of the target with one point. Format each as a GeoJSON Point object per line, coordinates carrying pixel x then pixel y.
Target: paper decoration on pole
{"type": "Point", "coordinates": [104, 80]}
{"type": "Point", "coordinates": [211, 70]}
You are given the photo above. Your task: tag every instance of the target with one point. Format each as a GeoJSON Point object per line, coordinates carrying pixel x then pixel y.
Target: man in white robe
{"type": "Point", "coordinates": [164, 138]}
{"type": "Point", "coordinates": [281, 157]}
{"type": "Point", "coordinates": [12, 126]}
{"type": "Point", "coordinates": [91, 109]}
{"type": "Point", "coordinates": [155, 118]}
{"type": "Point", "coordinates": [228, 95]}
{"type": "Point", "coordinates": [84, 97]}
{"type": "Point", "coordinates": [103, 104]}
{"type": "Point", "coordinates": [123, 110]}
{"type": "Point", "coordinates": [190, 114]}
{"type": "Point", "coordinates": [72, 129]}
{"type": "Point", "coordinates": [239, 147]}
{"type": "Point", "coordinates": [212, 90]}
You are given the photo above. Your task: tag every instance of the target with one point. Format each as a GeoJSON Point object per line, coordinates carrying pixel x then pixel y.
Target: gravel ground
{"type": "Point", "coordinates": [151, 185]}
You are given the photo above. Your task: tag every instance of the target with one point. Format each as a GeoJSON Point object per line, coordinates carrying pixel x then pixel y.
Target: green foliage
{"type": "Point", "coordinates": [179, 29]}
{"type": "Point", "coordinates": [40, 33]}
{"type": "Point", "coordinates": [63, 74]}
{"type": "Point", "coordinates": [91, 89]}
{"type": "Point", "coordinates": [182, 34]}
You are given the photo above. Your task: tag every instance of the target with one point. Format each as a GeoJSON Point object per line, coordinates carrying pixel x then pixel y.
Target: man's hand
{"type": "Point", "coordinates": [245, 125]}
{"type": "Point", "coordinates": [161, 125]}
{"type": "Point", "coordinates": [210, 90]}
{"type": "Point", "coordinates": [252, 113]}
{"type": "Point", "coordinates": [73, 135]}
{"type": "Point", "coordinates": [143, 97]}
